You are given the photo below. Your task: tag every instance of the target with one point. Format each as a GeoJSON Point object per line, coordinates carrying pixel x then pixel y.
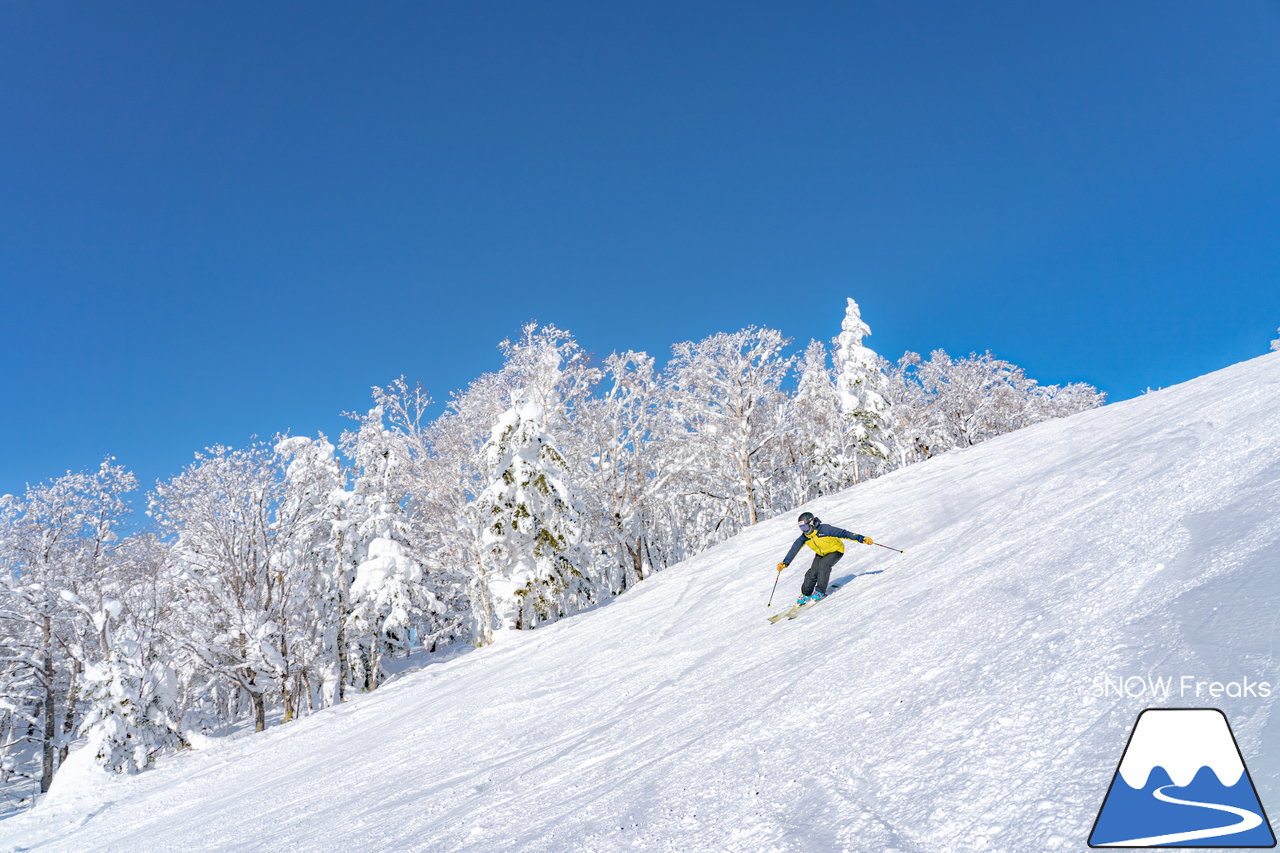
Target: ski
{"type": "Point", "coordinates": [794, 610]}
{"type": "Point", "coordinates": [778, 617]}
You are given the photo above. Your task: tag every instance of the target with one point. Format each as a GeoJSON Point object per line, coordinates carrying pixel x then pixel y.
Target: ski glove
{"type": "Point", "coordinates": [781, 566]}
{"type": "Point", "coordinates": [866, 540]}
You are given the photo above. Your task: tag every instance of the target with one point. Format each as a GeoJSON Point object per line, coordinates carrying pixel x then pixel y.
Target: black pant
{"type": "Point", "coordinates": [819, 573]}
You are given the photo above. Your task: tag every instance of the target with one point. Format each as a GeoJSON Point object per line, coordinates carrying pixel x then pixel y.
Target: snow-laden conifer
{"type": "Point", "coordinates": [389, 595]}
{"type": "Point", "coordinates": [530, 519]}
{"type": "Point", "coordinates": [816, 438]}
{"type": "Point", "coordinates": [435, 490]}
{"type": "Point", "coordinates": [862, 394]}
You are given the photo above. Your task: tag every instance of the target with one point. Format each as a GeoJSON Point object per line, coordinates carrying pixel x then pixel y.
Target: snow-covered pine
{"type": "Point", "coordinates": [861, 389]}
{"type": "Point", "coordinates": [1275, 345]}
{"type": "Point", "coordinates": [450, 478]}
{"type": "Point", "coordinates": [389, 598]}
{"type": "Point", "coordinates": [530, 520]}
{"type": "Point", "coordinates": [433, 508]}
{"type": "Point", "coordinates": [816, 439]}
{"type": "Point", "coordinates": [548, 368]}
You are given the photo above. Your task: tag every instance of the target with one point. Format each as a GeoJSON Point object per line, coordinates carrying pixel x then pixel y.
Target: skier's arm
{"type": "Point", "coordinates": [791, 555]}
{"type": "Point", "coordinates": [844, 534]}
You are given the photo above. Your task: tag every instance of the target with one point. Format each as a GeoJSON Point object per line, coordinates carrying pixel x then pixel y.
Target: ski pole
{"type": "Point", "coordinates": [775, 589]}
{"type": "Point", "coordinates": [899, 550]}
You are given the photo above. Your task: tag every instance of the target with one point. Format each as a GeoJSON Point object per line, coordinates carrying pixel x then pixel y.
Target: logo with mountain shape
{"type": "Point", "coordinates": [1182, 782]}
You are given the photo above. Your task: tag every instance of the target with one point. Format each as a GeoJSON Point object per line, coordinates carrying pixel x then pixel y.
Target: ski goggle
{"type": "Point", "coordinates": [806, 526]}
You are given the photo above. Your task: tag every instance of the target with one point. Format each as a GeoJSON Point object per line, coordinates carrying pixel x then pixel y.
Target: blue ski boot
{"type": "Point", "coordinates": [818, 596]}
{"type": "Point", "coordinates": [804, 599]}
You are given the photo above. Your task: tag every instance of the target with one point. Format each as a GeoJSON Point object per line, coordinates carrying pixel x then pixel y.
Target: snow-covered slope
{"type": "Point", "coordinates": [950, 702]}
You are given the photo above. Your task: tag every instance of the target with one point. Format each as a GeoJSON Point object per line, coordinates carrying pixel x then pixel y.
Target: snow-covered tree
{"type": "Point", "coordinates": [389, 596]}
{"type": "Point", "coordinates": [623, 486]}
{"type": "Point", "coordinates": [944, 403]}
{"type": "Point", "coordinates": [550, 370]}
{"type": "Point", "coordinates": [137, 706]}
{"type": "Point", "coordinates": [816, 441]}
{"type": "Point", "coordinates": [726, 421]}
{"type": "Point", "coordinates": [547, 367]}
{"type": "Point", "coordinates": [861, 389]}
{"type": "Point", "coordinates": [220, 514]}
{"type": "Point", "coordinates": [436, 490]}
{"type": "Point", "coordinates": [314, 604]}
{"type": "Point", "coordinates": [530, 520]}
{"type": "Point", "coordinates": [133, 706]}
{"type": "Point", "coordinates": [1275, 345]}
{"type": "Point", "coordinates": [59, 544]}
{"type": "Point", "coordinates": [450, 477]}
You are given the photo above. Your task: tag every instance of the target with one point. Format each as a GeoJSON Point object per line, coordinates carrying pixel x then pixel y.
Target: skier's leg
{"type": "Point", "coordinates": [810, 578]}
{"type": "Point", "coordinates": [822, 568]}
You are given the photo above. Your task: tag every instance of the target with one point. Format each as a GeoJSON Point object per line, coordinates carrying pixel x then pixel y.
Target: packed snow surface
{"type": "Point", "coordinates": [957, 700]}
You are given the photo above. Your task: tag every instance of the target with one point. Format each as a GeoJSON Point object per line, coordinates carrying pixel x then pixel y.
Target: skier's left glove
{"type": "Point", "coordinates": [866, 540]}
{"type": "Point", "coordinates": [781, 566]}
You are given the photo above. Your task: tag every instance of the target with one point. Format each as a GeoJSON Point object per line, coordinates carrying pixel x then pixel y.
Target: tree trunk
{"type": "Point", "coordinates": [50, 728]}
{"type": "Point", "coordinates": [7, 731]}
{"type": "Point", "coordinates": [69, 721]}
{"type": "Point", "coordinates": [259, 712]}
{"type": "Point", "coordinates": [344, 662]}
{"type": "Point", "coordinates": [375, 662]}
{"type": "Point", "coordinates": [486, 607]}
{"type": "Point", "coordinates": [637, 560]}
{"type": "Point", "coordinates": [286, 681]}
{"type": "Point", "coordinates": [256, 699]}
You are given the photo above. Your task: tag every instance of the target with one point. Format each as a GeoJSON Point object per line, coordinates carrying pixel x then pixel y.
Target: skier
{"type": "Point", "coordinates": [826, 540]}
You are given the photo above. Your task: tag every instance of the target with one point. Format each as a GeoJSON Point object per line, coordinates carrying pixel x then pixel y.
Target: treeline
{"type": "Point", "coordinates": [272, 580]}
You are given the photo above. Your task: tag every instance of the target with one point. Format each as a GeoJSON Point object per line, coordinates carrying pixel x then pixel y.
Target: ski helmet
{"type": "Point", "coordinates": [808, 521]}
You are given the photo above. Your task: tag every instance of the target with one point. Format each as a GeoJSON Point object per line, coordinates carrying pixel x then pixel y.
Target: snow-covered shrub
{"type": "Point", "coordinates": [133, 708]}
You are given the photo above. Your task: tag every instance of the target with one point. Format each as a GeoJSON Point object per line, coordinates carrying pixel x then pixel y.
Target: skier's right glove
{"type": "Point", "coordinates": [866, 540]}
{"type": "Point", "coordinates": [781, 566]}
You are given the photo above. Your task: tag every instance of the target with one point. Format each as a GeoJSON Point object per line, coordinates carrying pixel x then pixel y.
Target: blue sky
{"type": "Point", "coordinates": [230, 220]}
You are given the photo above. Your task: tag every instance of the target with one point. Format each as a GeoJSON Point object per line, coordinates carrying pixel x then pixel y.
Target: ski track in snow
{"type": "Point", "coordinates": [943, 704]}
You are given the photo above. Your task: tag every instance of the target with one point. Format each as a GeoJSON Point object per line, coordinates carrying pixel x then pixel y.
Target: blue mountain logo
{"type": "Point", "coordinates": [1182, 782]}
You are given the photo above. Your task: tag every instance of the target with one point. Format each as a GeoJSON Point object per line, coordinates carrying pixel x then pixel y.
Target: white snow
{"type": "Point", "coordinates": [948, 703]}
